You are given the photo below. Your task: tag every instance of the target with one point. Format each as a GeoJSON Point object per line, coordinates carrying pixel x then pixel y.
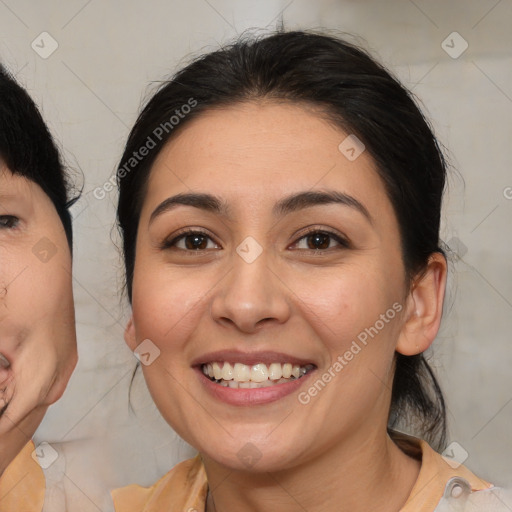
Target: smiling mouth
{"type": "Point", "coordinates": [4, 362]}
{"type": "Point", "coordinates": [6, 390]}
{"type": "Point", "coordinates": [242, 376]}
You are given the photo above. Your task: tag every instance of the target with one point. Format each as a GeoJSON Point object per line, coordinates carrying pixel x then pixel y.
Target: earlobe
{"type": "Point", "coordinates": [129, 334]}
{"type": "Point", "coordinates": [424, 308]}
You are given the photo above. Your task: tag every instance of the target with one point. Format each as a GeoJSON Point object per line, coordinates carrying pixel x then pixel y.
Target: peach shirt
{"type": "Point", "coordinates": [22, 485]}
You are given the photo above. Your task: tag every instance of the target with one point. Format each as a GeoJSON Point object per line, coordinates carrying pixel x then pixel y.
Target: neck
{"type": "Point", "coordinates": [360, 474]}
{"type": "Point", "coordinates": [18, 435]}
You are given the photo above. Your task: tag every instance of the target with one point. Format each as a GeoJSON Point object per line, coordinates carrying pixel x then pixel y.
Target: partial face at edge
{"type": "Point", "coordinates": [37, 323]}
{"type": "Point", "coordinates": [326, 273]}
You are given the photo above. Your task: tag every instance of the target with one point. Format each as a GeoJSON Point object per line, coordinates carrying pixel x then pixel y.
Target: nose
{"type": "Point", "coordinates": [250, 296]}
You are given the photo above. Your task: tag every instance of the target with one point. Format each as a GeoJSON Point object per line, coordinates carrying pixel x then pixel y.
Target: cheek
{"type": "Point", "coordinates": [44, 291]}
{"type": "Point", "coordinates": [36, 311]}
{"type": "Point", "coordinates": [167, 306]}
{"type": "Point", "coordinates": [20, 287]}
{"type": "Point", "coordinates": [50, 269]}
{"type": "Point", "coordinates": [341, 304]}
{"type": "Point", "coordinates": [354, 314]}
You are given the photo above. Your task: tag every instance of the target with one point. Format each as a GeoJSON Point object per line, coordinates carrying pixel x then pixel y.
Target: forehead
{"type": "Point", "coordinates": [14, 184]}
{"type": "Point", "coordinates": [27, 196]}
{"type": "Point", "coordinates": [254, 151]}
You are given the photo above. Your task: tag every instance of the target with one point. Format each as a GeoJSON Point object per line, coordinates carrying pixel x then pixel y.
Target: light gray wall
{"type": "Point", "coordinates": [90, 90]}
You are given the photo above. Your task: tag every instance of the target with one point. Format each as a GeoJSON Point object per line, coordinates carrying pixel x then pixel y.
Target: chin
{"type": "Point", "coordinates": [252, 455]}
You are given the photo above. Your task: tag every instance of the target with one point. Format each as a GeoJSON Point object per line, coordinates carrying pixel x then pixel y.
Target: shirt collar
{"type": "Point", "coordinates": [435, 472]}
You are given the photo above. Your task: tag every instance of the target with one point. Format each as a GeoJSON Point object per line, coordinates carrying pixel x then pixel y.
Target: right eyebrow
{"type": "Point", "coordinates": [207, 202]}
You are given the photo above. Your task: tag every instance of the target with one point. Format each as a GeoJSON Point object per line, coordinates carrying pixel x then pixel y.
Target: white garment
{"type": "Point", "coordinates": [458, 497]}
{"type": "Point", "coordinates": [55, 496]}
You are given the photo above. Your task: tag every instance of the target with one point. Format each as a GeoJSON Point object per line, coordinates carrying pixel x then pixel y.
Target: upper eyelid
{"type": "Point", "coordinates": [181, 234]}
{"type": "Point", "coordinates": [317, 229]}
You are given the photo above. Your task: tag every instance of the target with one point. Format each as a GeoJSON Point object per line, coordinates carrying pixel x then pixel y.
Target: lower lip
{"type": "Point", "coordinates": [254, 396]}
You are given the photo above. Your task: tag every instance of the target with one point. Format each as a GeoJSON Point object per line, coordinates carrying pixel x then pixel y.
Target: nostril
{"type": "Point", "coordinates": [225, 320]}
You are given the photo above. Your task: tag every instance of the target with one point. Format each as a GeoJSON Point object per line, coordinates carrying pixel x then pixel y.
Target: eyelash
{"type": "Point", "coordinates": [343, 243]}
{"type": "Point", "coordinates": [8, 222]}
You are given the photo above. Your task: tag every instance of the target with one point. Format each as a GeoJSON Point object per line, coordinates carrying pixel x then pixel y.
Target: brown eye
{"type": "Point", "coordinates": [195, 242]}
{"type": "Point", "coordinates": [320, 241]}
{"type": "Point", "coordinates": [8, 221]}
{"type": "Point", "coordinates": [191, 241]}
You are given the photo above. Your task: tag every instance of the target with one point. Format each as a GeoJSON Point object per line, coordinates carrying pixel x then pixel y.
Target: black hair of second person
{"type": "Point", "coordinates": [27, 148]}
{"type": "Point", "coordinates": [350, 89]}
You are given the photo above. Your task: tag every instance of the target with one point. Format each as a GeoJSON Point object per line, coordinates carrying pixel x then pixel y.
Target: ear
{"type": "Point", "coordinates": [424, 308]}
{"type": "Point", "coordinates": [129, 334]}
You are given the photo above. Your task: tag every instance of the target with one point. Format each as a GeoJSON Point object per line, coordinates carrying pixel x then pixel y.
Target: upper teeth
{"type": "Point", "coordinates": [256, 373]}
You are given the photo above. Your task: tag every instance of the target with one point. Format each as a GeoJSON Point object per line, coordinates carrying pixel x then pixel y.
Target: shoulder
{"type": "Point", "coordinates": [446, 485]}
{"type": "Point", "coordinates": [459, 496]}
{"type": "Point", "coordinates": [443, 480]}
{"type": "Point", "coordinates": [183, 487]}
{"type": "Point", "coordinates": [22, 485]}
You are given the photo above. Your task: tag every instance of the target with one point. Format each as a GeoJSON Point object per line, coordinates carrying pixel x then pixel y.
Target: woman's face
{"type": "Point", "coordinates": [37, 329]}
{"type": "Point", "coordinates": [262, 249]}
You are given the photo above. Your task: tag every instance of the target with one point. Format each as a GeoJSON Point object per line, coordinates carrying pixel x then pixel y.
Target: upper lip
{"type": "Point", "coordinates": [250, 358]}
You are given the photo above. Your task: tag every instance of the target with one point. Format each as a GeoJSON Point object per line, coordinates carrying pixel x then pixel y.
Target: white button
{"type": "Point", "coordinates": [456, 487]}
{"type": "Point", "coordinates": [457, 491]}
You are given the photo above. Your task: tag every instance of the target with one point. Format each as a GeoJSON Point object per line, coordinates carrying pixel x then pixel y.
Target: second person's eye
{"type": "Point", "coordinates": [8, 221]}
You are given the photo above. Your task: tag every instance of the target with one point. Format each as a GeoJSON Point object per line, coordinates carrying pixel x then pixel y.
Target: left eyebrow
{"type": "Point", "coordinates": [311, 198]}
